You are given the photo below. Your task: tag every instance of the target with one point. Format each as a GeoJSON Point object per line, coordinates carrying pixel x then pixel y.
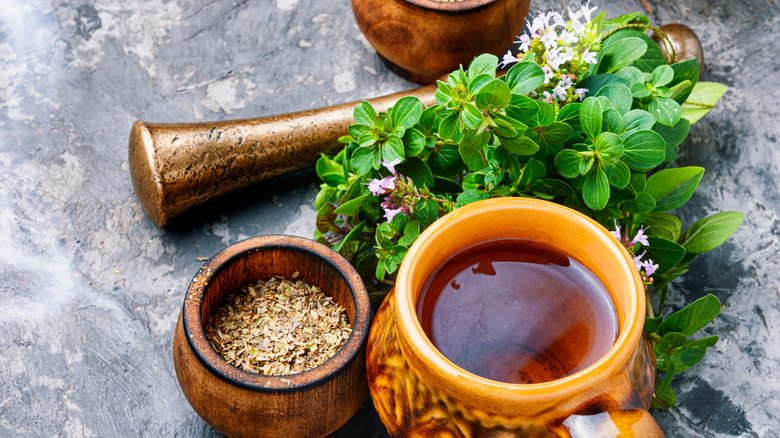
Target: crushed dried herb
{"type": "Point", "coordinates": [278, 327]}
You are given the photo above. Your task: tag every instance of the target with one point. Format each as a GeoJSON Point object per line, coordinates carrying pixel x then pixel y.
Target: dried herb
{"type": "Point", "coordinates": [278, 327]}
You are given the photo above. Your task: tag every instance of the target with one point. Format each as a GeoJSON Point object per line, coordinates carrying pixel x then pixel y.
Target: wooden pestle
{"type": "Point", "coordinates": [175, 167]}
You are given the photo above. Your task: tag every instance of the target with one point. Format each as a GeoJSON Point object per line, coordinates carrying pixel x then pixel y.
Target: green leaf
{"type": "Point", "coordinates": [495, 94]}
{"type": "Point", "coordinates": [364, 114]}
{"type": "Point", "coordinates": [609, 147]}
{"type": "Point", "coordinates": [350, 208]}
{"type": "Point", "coordinates": [612, 121]}
{"type": "Point", "coordinates": [326, 219]}
{"type": "Point", "coordinates": [406, 112]}
{"type": "Point", "coordinates": [326, 194]}
{"type": "Point", "coordinates": [638, 182]}
{"type": "Point", "coordinates": [446, 185]}
{"type": "Point", "coordinates": [469, 196]}
{"type": "Point", "coordinates": [662, 75]}
{"type": "Point", "coordinates": [643, 203]}
{"type": "Point", "coordinates": [445, 160]}
{"type": "Point", "coordinates": [551, 137]}
{"type": "Point", "coordinates": [329, 171]}
{"type": "Point", "coordinates": [620, 53]}
{"type": "Point", "coordinates": [595, 83]}
{"type": "Point", "coordinates": [485, 63]}
{"type": "Point", "coordinates": [673, 136]}
{"type": "Point", "coordinates": [619, 95]}
{"type": "Point", "coordinates": [632, 74]}
{"type": "Point", "coordinates": [702, 99]}
{"type": "Point", "coordinates": [567, 162]}
{"type": "Point", "coordinates": [668, 343]}
{"type": "Point", "coordinates": [520, 145]}
{"type": "Point", "coordinates": [533, 170]}
{"type": "Point", "coordinates": [427, 213]}
{"type": "Point", "coordinates": [666, 253]}
{"type": "Point", "coordinates": [693, 317]}
{"type": "Point", "coordinates": [687, 70]}
{"type": "Point", "coordinates": [363, 160]}
{"type": "Point", "coordinates": [691, 353]}
{"type": "Point", "coordinates": [353, 234]}
{"type": "Point", "coordinates": [618, 174]}
{"type": "Point", "coordinates": [570, 114]}
{"type": "Point", "coordinates": [524, 77]}
{"type": "Point", "coordinates": [471, 116]}
{"type": "Point", "coordinates": [637, 120]}
{"type": "Point", "coordinates": [522, 108]}
{"type": "Point", "coordinates": [665, 111]}
{"type": "Point", "coordinates": [664, 397]}
{"type": "Point", "coordinates": [640, 91]}
{"type": "Point", "coordinates": [414, 142]}
{"type": "Point", "coordinates": [545, 116]}
{"type": "Point", "coordinates": [671, 188]}
{"type": "Point", "coordinates": [595, 191]}
{"type": "Point", "coordinates": [549, 188]}
{"type": "Point", "coordinates": [450, 128]}
{"type": "Point", "coordinates": [586, 164]}
{"type": "Point", "coordinates": [418, 171]}
{"type": "Point", "coordinates": [411, 231]}
{"type": "Point", "coordinates": [480, 81]}
{"type": "Point", "coordinates": [474, 143]}
{"type": "Point", "coordinates": [710, 232]}
{"type": "Point", "coordinates": [643, 150]}
{"type": "Point", "coordinates": [652, 324]}
{"type": "Point", "coordinates": [664, 225]}
{"type": "Point", "coordinates": [504, 129]}
{"type": "Point", "coordinates": [392, 149]}
{"type": "Point", "coordinates": [590, 117]}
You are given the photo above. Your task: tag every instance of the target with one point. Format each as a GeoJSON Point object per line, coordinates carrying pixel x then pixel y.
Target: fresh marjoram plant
{"type": "Point", "coordinates": [590, 115]}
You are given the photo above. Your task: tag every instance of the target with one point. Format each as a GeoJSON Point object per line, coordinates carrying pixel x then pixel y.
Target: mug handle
{"type": "Point", "coordinates": [618, 413]}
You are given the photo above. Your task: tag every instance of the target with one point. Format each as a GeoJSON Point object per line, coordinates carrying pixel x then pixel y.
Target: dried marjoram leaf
{"type": "Point", "coordinates": [278, 327]}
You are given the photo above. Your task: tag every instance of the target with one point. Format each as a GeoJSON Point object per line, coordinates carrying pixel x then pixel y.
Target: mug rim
{"type": "Point", "coordinates": [195, 333]}
{"type": "Point", "coordinates": [412, 333]}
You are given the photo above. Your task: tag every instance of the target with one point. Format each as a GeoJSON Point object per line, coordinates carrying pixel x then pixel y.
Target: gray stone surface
{"type": "Point", "coordinates": [90, 289]}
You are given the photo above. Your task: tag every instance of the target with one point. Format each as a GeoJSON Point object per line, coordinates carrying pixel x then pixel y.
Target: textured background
{"type": "Point", "coordinates": [90, 289]}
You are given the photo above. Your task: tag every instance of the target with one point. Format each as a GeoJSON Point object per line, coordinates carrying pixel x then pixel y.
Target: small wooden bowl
{"type": "Point", "coordinates": [239, 403]}
{"type": "Point", "coordinates": [421, 40]}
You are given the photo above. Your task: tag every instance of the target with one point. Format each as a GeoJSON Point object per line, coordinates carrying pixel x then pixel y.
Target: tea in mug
{"type": "Point", "coordinates": [516, 311]}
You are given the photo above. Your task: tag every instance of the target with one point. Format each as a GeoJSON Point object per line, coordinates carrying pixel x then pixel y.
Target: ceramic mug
{"type": "Point", "coordinates": [417, 391]}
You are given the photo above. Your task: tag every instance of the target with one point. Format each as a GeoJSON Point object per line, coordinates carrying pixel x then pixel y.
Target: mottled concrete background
{"type": "Point", "coordinates": [90, 289]}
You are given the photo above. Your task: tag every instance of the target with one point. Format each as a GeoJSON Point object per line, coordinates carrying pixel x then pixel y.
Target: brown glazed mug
{"type": "Point", "coordinates": [420, 393]}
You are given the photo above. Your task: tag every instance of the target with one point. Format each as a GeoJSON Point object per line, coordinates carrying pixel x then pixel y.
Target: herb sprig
{"type": "Point", "coordinates": [590, 115]}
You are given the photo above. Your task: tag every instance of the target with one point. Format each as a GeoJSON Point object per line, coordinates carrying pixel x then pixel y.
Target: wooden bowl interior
{"type": "Point", "coordinates": [264, 263]}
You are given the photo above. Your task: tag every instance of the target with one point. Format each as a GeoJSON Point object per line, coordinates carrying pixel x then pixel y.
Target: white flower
{"type": "Point", "coordinates": [549, 39]}
{"type": "Point", "coordinates": [536, 26]}
{"type": "Point", "coordinates": [566, 80]}
{"type": "Point", "coordinates": [548, 74]}
{"type": "Point", "coordinates": [569, 37]}
{"type": "Point", "coordinates": [548, 97]}
{"type": "Point", "coordinates": [580, 92]}
{"type": "Point", "coordinates": [554, 59]}
{"type": "Point", "coordinates": [508, 59]}
{"type": "Point", "coordinates": [587, 11]}
{"type": "Point", "coordinates": [558, 20]}
{"type": "Point", "coordinates": [525, 43]}
{"type": "Point", "coordinates": [567, 55]}
{"type": "Point", "coordinates": [589, 57]}
{"type": "Point", "coordinates": [559, 93]}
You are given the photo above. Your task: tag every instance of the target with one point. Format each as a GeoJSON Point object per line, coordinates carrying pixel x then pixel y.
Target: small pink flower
{"type": "Point", "coordinates": [638, 261]}
{"type": "Point", "coordinates": [616, 234]}
{"type": "Point", "coordinates": [640, 237]}
{"type": "Point", "coordinates": [390, 214]}
{"type": "Point", "coordinates": [391, 165]}
{"type": "Point", "coordinates": [650, 268]}
{"type": "Point", "coordinates": [382, 186]}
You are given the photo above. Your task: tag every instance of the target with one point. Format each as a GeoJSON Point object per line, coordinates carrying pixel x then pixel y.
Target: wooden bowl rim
{"type": "Point", "coordinates": [202, 349]}
{"type": "Point", "coordinates": [453, 6]}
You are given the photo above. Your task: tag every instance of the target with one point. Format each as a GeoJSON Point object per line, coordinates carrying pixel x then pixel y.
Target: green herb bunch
{"type": "Point", "coordinates": [601, 144]}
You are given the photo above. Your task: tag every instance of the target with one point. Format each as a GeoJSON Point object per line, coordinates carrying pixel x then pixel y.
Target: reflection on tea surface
{"type": "Point", "coordinates": [515, 311]}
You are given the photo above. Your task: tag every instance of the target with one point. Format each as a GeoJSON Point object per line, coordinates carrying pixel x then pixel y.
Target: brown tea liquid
{"type": "Point", "coordinates": [515, 311]}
